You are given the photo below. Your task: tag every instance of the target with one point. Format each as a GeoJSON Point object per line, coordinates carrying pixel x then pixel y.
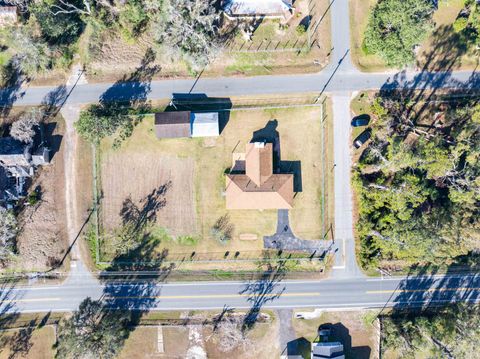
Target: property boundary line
{"type": "Point", "coordinates": [274, 105]}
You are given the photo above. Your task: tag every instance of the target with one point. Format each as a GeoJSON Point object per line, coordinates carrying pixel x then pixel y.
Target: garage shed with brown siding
{"type": "Point", "coordinates": [172, 124]}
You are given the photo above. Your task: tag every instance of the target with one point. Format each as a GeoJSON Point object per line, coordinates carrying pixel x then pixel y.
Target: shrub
{"type": "Point", "coordinates": [301, 29]}
{"type": "Point", "coordinates": [222, 230]}
{"type": "Point", "coordinates": [460, 24]}
{"type": "Point", "coordinates": [187, 240]}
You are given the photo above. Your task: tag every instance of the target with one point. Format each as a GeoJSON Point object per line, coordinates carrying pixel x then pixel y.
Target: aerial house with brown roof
{"type": "Point", "coordinates": [258, 187]}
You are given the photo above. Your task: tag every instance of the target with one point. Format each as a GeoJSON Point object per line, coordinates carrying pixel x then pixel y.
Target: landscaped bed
{"type": "Point", "coordinates": [186, 179]}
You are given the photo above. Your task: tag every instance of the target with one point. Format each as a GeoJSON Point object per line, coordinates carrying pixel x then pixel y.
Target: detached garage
{"type": "Point", "coordinates": [180, 124]}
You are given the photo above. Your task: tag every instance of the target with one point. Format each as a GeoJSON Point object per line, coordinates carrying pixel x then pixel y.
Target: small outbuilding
{"type": "Point", "coordinates": [328, 350]}
{"type": "Point", "coordinates": [255, 8]}
{"type": "Point", "coordinates": [172, 124]}
{"type": "Point", "coordinates": [178, 124]}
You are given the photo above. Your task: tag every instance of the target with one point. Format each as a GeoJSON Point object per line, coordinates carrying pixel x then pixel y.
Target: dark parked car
{"type": "Point", "coordinates": [361, 120]}
{"type": "Point", "coordinates": [362, 138]}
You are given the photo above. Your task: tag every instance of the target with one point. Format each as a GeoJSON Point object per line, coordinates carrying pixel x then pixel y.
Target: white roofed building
{"type": "Point", "coordinates": [204, 124]}
{"type": "Point", "coordinates": [258, 8]}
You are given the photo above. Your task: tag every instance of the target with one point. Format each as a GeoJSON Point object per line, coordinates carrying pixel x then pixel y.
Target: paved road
{"type": "Point", "coordinates": [340, 81]}
{"type": "Point", "coordinates": [345, 261]}
{"type": "Point", "coordinates": [327, 294]}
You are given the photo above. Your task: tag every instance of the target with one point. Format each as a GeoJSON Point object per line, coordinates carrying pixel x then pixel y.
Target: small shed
{"type": "Point", "coordinates": [172, 124]}
{"type": "Point", "coordinates": [179, 124]}
{"type": "Point", "coordinates": [204, 124]}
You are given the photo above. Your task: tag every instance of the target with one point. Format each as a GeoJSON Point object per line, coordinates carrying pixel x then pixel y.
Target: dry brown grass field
{"type": "Point", "coordinates": [42, 240]}
{"type": "Point", "coordinates": [139, 173]}
{"type": "Point", "coordinates": [113, 56]}
{"type": "Point", "coordinates": [40, 345]}
{"type": "Point", "coordinates": [192, 341]}
{"type": "Point", "coordinates": [195, 169]}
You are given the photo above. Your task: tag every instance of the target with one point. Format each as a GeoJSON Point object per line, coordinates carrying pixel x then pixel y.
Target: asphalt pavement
{"type": "Point", "coordinates": [329, 294]}
{"type": "Point", "coordinates": [325, 81]}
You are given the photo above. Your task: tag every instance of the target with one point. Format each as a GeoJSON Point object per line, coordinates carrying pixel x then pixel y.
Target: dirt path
{"type": "Point", "coordinates": [74, 191]}
{"type": "Point", "coordinates": [78, 270]}
{"type": "Point", "coordinates": [287, 334]}
{"type": "Point", "coordinates": [71, 113]}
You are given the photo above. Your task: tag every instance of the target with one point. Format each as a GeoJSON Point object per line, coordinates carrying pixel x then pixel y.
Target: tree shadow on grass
{"type": "Point", "coordinates": [20, 343]}
{"type": "Point", "coordinates": [130, 287]}
{"type": "Point", "coordinates": [138, 216]}
{"type": "Point", "coordinates": [100, 327]}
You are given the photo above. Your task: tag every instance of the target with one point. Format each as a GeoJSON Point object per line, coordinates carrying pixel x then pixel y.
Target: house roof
{"type": "Point", "coordinates": [328, 350]}
{"type": "Point", "coordinates": [258, 187]}
{"type": "Point", "coordinates": [259, 161]}
{"type": "Point", "coordinates": [172, 124]}
{"type": "Point", "coordinates": [256, 7]}
{"type": "Point", "coordinates": [204, 124]}
{"type": "Point", "coordinates": [14, 152]}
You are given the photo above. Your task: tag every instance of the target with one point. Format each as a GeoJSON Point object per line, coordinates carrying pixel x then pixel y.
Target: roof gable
{"type": "Point", "coordinates": [258, 187]}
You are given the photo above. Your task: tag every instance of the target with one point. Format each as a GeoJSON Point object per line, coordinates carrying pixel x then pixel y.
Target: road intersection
{"type": "Point", "coordinates": [347, 287]}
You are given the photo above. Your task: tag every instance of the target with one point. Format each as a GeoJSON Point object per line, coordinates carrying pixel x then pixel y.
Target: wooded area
{"type": "Point", "coordinates": [396, 28]}
{"type": "Point", "coordinates": [452, 332]}
{"type": "Point", "coordinates": [52, 33]}
{"type": "Point", "coordinates": [418, 180]}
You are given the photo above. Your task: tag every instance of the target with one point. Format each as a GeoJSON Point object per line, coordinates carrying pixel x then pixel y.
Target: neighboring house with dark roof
{"type": "Point", "coordinates": [258, 8]}
{"type": "Point", "coordinates": [18, 161]}
{"type": "Point", "coordinates": [328, 350]}
{"type": "Point", "coordinates": [8, 15]}
{"type": "Point", "coordinates": [178, 124]}
{"type": "Point", "coordinates": [258, 187]}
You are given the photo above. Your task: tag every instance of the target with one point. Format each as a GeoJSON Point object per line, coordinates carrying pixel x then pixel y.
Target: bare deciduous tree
{"type": "Point", "coordinates": [31, 56]}
{"type": "Point", "coordinates": [190, 29]}
{"type": "Point", "coordinates": [24, 128]}
{"type": "Point", "coordinates": [68, 7]}
{"type": "Point", "coordinates": [230, 335]}
{"type": "Point", "coordinates": [8, 232]}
